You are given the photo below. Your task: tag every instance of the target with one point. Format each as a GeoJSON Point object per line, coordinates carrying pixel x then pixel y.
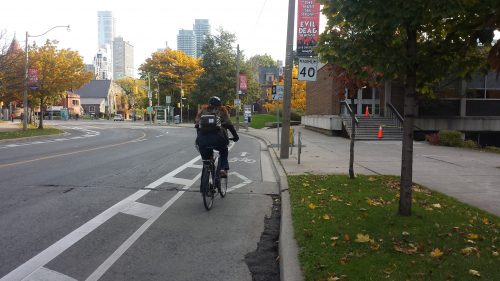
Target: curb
{"type": "Point", "coordinates": [288, 248]}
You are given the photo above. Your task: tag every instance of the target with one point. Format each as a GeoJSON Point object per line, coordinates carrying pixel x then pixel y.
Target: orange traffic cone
{"type": "Point", "coordinates": [367, 113]}
{"type": "Point", "coordinates": [380, 134]}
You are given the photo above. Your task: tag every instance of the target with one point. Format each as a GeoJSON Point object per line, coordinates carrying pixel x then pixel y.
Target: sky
{"type": "Point", "coordinates": [259, 25]}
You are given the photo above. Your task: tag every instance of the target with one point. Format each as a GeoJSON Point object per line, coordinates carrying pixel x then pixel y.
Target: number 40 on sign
{"type": "Point", "coordinates": [307, 69]}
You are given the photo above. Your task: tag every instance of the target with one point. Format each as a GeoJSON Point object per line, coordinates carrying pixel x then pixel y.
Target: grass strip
{"type": "Point", "coordinates": [349, 230]}
{"type": "Point", "coordinates": [30, 132]}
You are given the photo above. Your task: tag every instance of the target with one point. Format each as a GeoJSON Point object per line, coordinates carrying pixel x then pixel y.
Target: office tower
{"type": "Point", "coordinates": [123, 59]}
{"type": "Point", "coordinates": [201, 30]}
{"type": "Point", "coordinates": [105, 34]}
{"type": "Point", "coordinates": [186, 42]}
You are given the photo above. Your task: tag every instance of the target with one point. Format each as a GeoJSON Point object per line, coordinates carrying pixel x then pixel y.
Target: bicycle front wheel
{"type": "Point", "coordinates": [207, 187]}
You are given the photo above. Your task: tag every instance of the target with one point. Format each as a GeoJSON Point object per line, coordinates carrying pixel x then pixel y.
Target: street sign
{"type": "Point", "coordinates": [307, 69]}
{"type": "Point", "coordinates": [278, 92]}
{"type": "Point", "coordinates": [168, 99]}
{"type": "Point", "coordinates": [237, 102]}
{"type": "Point", "coordinates": [150, 109]}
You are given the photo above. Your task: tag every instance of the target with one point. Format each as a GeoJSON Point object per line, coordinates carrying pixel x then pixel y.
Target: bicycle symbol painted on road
{"type": "Point", "coordinates": [242, 159]}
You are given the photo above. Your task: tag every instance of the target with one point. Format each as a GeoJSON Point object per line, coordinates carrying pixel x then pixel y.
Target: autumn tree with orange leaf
{"type": "Point", "coordinates": [59, 70]}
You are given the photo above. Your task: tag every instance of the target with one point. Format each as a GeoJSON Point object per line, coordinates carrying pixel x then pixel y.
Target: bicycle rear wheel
{"type": "Point", "coordinates": [222, 187]}
{"type": "Point", "coordinates": [207, 187]}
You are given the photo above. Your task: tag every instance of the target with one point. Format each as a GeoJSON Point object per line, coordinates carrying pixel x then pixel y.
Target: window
{"type": "Point", "coordinates": [75, 102]}
{"type": "Point", "coordinates": [92, 108]}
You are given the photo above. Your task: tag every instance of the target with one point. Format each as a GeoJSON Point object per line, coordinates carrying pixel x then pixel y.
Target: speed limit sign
{"type": "Point", "coordinates": [307, 69]}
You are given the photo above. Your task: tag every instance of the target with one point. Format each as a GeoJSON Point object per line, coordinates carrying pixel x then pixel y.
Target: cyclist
{"type": "Point", "coordinates": [212, 123]}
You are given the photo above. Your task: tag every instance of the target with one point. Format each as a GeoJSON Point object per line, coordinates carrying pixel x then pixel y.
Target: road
{"type": "Point", "coordinates": [120, 201]}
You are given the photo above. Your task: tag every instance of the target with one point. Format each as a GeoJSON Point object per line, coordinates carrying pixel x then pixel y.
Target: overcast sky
{"type": "Point", "coordinates": [260, 25]}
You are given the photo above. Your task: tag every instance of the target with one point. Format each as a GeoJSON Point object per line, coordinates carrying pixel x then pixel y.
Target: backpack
{"type": "Point", "coordinates": [210, 122]}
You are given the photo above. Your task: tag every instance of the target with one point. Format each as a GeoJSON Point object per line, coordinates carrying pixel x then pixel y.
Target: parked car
{"type": "Point", "coordinates": [118, 117]}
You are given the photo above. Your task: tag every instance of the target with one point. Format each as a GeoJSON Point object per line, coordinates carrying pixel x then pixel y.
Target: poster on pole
{"type": "Point", "coordinates": [33, 78]}
{"type": "Point", "coordinates": [307, 27]}
{"type": "Point", "coordinates": [243, 82]}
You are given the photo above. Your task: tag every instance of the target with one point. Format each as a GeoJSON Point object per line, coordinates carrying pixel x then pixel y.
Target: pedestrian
{"type": "Point", "coordinates": [12, 115]}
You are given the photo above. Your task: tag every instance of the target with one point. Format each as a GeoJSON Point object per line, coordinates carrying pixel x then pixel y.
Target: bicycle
{"type": "Point", "coordinates": [211, 182]}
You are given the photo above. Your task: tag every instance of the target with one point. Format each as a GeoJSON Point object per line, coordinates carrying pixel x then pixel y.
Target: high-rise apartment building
{"type": "Point", "coordinates": [105, 34]}
{"type": "Point", "coordinates": [201, 30]}
{"type": "Point", "coordinates": [123, 59]}
{"type": "Point", "coordinates": [186, 42]}
{"type": "Point", "coordinates": [102, 64]}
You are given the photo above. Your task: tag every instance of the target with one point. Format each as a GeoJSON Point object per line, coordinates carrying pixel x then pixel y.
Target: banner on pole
{"type": "Point", "coordinates": [243, 82]}
{"type": "Point", "coordinates": [307, 27]}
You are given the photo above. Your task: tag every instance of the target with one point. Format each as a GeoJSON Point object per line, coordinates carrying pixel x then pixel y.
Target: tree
{"type": "Point", "coordinates": [298, 102]}
{"type": "Point", "coordinates": [58, 71]}
{"type": "Point", "coordinates": [414, 41]}
{"type": "Point", "coordinates": [11, 72]}
{"type": "Point", "coordinates": [171, 68]}
{"type": "Point", "coordinates": [135, 95]}
{"type": "Point", "coordinates": [261, 61]}
{"type": "Point", "coordinates": [219, 63]}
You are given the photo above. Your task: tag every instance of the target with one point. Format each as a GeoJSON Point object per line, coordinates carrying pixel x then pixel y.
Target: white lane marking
{"type": "Point", "coordinates": [240, 185]}
{"type": "Point", "coordinates": [67, 241]}
{"type": "Point", "coordinates": [88, 133]}
{"type": "Point", "coordinates": [171, 175]}
{"type": "Point", "coordinates": [45, 274]}
{"type": "Point", "coordinates": [141, 210]}
{"type": "Point", "coordinates": [243, 154]}
{"type": "Point", "coordinates": [99, 272]}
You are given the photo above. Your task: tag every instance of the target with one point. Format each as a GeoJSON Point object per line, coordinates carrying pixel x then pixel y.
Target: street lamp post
{"type": "Point", "coordinates": [25, 94]}
{"type": "Point", "coordinates": [182, 96]}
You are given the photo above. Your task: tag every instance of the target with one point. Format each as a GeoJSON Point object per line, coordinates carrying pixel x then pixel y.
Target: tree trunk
{"type": "Point", "coordinates": [405, 199]}
{"type": "Point", "coordinates": [40, 125]}
{"type": "Point", "coordinates": [353, 136]}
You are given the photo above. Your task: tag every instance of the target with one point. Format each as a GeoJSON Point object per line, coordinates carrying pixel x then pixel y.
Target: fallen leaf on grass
{"type": "Point", "coordinates": [468, 250]}
{"type": "Point", "coordinates": [486, 221]}
{"type": "Point", "coordinates": [372, 179]}
{"type": "Point", "coordinates": [474, 273]}
{"type": "Point", "coordinates": [438, 206]}
{"type": "Point", "coordinates": [410, 249]}
{"type": "Point", "coordinates": [312, 206]}
{"type": "Point", "coordinates": [326, 217]}
{"type": "Point", "coordinates": [472, 236]}
{"type": "Point", "coordinates": [343, 260]}
{"type": "Point", "coordinates": [333, 278]}
{"type": "Point", "coordinates": [436, 253]}
{"type": "Point", "coordinates": [495, 254]}
{"type": "Point", "coordinates": [360, 238]}
{"type": "Point", "coordinates": [347, 238]}
{"type": "Point", "coordinates": [305, 184]}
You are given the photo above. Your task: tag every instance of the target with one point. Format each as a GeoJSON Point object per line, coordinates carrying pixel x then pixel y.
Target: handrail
{"type": "Point", "coordinates": [346, 105]}
{"type": "Point", "coordinates": [394, 115]}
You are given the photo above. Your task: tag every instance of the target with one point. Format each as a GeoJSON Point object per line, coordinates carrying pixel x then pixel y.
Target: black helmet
{"type": "Point", "coordinates": [214, 101]}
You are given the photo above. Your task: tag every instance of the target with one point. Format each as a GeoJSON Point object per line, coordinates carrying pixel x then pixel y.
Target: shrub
{"type": "Point", "coordinates": [451, 138]}
{"type": "Point", "coordinates": [470, 144]}
{"type": "Point", "coordinates": [295, 115]}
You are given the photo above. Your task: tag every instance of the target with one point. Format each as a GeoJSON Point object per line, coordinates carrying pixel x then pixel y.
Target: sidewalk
{"type": "Point", "coordinates": [8, 126]}
{"type": "Point", "coordinates": [470, 176]}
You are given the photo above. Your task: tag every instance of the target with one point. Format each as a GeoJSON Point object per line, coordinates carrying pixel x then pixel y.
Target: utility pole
{"type": "Point", "coordinates": [287, 97]}
{"type": "Point", "coordinates": [238, 86]}
{"type": "Point", "coordinates": [150, 101]}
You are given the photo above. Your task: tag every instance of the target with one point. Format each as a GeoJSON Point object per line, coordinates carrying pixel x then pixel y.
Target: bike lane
{"type": "Point", "coordinates": [163, 231]}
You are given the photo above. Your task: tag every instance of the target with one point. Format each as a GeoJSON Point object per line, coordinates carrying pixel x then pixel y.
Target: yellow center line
{"type": "Point", "coordinates": [71, 153]}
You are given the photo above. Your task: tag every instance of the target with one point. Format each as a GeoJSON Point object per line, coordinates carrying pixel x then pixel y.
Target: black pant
{"type": "Point", "coordinates": [209, 141]}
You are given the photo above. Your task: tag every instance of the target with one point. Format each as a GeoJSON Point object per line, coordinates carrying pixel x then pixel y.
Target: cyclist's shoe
{"type": "Point", "coordinates": [223, 173]}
